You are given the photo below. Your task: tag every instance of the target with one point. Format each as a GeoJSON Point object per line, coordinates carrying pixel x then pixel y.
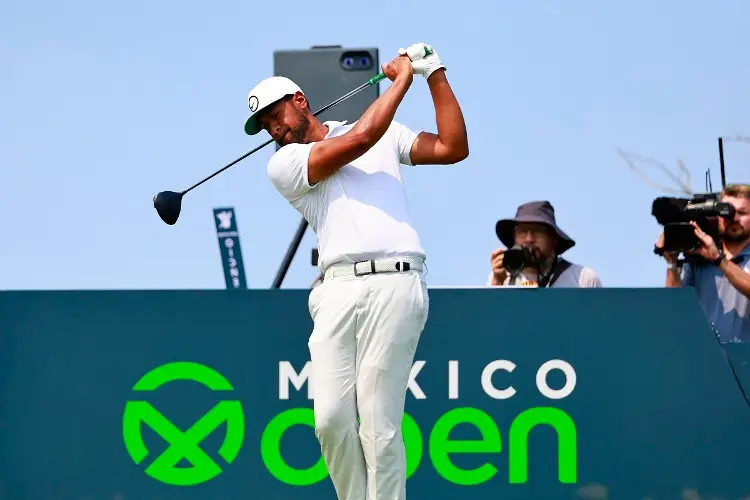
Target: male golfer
{"type": "Point", "coordinates": [371, 307]}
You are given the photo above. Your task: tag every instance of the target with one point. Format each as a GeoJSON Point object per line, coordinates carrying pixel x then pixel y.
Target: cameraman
{"type": "Point", "coordinates": [722, 278]}
{"type": "Point", "coordinates": [535, 228]}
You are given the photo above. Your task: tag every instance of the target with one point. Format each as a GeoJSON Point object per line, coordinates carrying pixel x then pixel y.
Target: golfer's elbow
{"type": "Point", "coordinates": [456, 153]}
{"type": "Point", "coordinates": [361, 139]}
{"type": "Point", "coordinates": [461, 153]}
{"type": "Point", "coordinates": [329, 155]}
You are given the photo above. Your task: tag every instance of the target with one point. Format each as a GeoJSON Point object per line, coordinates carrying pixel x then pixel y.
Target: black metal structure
{"type": "Point", "coordinates": [721, 163]}
{"type": "Point", "coordinates": [290, 252]}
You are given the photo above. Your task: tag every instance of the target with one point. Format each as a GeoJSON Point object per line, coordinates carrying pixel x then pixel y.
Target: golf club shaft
{"type": "Point", "coordinates": [372, 81]}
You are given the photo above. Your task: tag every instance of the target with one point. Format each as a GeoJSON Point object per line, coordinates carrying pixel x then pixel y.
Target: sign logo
{"type": "Point", "coordinates": [183, 445]}
{"type": "Point", "coordinates": [435, 443]}
{"type": "Point", "coordinates": [225, 219]}
{"type": "Point", "coordinates": [253, 103]}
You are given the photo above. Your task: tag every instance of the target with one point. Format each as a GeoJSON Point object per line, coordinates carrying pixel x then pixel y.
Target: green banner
{"type": "Point", "coordinates": [514, 394]}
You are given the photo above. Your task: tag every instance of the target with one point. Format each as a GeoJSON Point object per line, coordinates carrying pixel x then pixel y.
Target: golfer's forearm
{"type": "Point", "coordinates": [373, 124]}
{"type": "Point", "coordinates": [451, 127]}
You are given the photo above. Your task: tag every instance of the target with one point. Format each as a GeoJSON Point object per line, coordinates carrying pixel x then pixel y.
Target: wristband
{"type": "Point", "coordinates": [720, 258]}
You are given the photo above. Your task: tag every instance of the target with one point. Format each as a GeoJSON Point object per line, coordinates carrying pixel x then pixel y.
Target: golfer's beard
{"type": "Point", "coordinates": [299, 133]}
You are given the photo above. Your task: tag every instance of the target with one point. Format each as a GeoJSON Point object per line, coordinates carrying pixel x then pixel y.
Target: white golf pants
{"type": "Point", "coordinates": [362, 348]}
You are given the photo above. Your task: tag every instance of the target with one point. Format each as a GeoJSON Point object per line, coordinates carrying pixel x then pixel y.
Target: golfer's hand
{"type": "Point", "coordinates": [708, 250]}
{"type": "Point", "coordinates": [424, 59]}
{"type": "Point", "coordinates": [399, 68]}
{"type": "Point", "coordinates": [499, 273]}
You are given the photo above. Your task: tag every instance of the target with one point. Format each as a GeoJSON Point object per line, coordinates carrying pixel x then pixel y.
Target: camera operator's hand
{"type": "Point", "coordinates": [499, 273]}
{"type": "Point", "coordinates": [670, 257]}
{"type": "Point", "coordinates": [708, 250]}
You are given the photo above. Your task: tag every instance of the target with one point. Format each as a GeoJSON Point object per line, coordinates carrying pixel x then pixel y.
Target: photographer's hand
{"type": "Point", "coordinates": [737, 276]}
{"type": "Point", "coordinates": [708, 250]}
{"type": "Point", "coordinates": [499, 273]}
{"type": "Point", "coordinates": [670, 257]}
{"type": "Point", "coordinates": [674, 276]}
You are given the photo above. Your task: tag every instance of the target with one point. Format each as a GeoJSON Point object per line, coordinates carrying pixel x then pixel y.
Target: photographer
{"type": "Point", "coordinates": [721, 277]}
{"type": "Point", "coordinates": [535, 245]}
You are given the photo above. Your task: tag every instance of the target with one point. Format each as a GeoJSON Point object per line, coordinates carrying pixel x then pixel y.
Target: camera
{"type": "Point", "coordinates": [518, 257]}
{"type": "Point", "coordinates": [356, 60]}
{"type": "Point", "coordinates": [675, 215]}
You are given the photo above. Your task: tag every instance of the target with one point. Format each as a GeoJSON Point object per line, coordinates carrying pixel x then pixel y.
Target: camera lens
{"type": "Point", "coordinates": [514, 259]}
{"type": "Point", "coordinates": [364, 61]}
{"type": "Point", "coordinates": [348, 62]}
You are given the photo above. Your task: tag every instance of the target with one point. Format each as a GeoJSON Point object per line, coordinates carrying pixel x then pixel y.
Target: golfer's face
{"type": "Point", "coordinates": [276, 121]}
{"type": "Point", "coordinates": [534, 235]}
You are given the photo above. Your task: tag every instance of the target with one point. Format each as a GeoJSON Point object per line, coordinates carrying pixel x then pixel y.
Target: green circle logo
{"type": "Point", "coordinates": [183, 445]}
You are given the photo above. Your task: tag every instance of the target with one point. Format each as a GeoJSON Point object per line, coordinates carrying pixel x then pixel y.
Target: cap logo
{"type": "Point", "coordinates": [253, 102]}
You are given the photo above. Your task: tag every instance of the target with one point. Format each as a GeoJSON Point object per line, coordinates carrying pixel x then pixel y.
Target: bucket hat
{"type": "Point", "coordinates": [541, 212]}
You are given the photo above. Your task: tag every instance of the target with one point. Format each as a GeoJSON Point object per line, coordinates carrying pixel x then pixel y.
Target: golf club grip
{"type": "Point", "coordinates": [372, 81]}
{"type": "Point", "coordinates": [376, 79]}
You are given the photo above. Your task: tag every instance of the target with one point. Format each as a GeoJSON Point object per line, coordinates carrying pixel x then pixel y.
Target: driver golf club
{"type": "Point", "coordinates": [168, 204]}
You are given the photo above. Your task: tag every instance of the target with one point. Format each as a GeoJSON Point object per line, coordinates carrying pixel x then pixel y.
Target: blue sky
{"type": "Point", "coordinates": [104, 104]}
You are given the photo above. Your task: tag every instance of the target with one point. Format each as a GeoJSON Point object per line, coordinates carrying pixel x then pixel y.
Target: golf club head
{"type": "Point", "coordinates": [168, 205]}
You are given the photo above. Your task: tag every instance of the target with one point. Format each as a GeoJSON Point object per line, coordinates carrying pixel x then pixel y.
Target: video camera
{"type": "Point", "coordinates": [675, 215]}
{"type": "Point", "coordinates": [705, 209]}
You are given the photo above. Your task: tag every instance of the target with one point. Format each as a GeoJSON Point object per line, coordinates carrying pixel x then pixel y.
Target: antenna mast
{"type": "Point", "coordinates": [721, 163]}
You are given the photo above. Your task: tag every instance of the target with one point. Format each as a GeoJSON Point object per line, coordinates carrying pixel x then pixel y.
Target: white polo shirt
{"type": "Point", "coordinates": [361, 211]}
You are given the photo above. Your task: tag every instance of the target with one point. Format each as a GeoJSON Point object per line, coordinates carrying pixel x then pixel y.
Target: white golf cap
{"type": "Point", "coordinates": [263, 95]}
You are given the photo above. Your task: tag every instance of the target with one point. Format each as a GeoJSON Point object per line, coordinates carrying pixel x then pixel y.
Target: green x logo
{"type": "Point", "coordinates": [183, 445]}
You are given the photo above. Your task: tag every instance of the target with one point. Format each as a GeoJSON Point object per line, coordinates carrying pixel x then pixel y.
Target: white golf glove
{"type": "Point", "coordinates": [424, 59]}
